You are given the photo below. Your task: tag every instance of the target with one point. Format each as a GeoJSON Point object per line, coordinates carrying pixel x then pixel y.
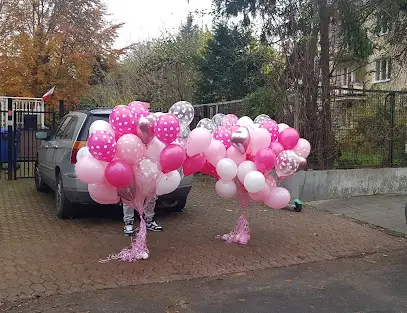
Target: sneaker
{"type": "Point", "coordinates": [153, 226]}
{"type": "Point", "coordinates": [129, 231]}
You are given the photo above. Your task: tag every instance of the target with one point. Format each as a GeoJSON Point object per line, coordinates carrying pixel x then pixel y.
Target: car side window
{"type": "Point", "coordinates": [62, 127]}
{"type": "Point", "coordinates": [70, 129]}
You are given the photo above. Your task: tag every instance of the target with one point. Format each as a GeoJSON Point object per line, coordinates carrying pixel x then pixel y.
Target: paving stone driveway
{"type": "Point", "coordinates": [41, 255]}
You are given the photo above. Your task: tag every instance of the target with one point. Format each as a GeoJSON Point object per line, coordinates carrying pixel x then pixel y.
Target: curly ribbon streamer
{"type": "Point", "coordinates": [241, 233]}
{"type": "Point", "coordinates": [138, 249]}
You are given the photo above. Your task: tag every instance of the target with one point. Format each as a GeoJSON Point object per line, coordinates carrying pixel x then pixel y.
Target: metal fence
{"type": "Point", "coordinates": [368, 128]}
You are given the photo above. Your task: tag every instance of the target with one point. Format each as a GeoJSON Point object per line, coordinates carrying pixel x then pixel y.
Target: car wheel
{"type": "Point", "coordinates": [180, 206]}
{"type": "Point", "coordinates": [39, 183]}
{"type": "Point", "coordinates": [62, 204]}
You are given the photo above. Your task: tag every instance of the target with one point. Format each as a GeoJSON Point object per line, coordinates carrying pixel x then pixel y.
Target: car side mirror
{"type": "Point", "coordinates": [41, 135]}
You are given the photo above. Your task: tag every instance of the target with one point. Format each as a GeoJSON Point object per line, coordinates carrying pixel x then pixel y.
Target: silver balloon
{"type": "Point", "coordinates": [262, 118]}
{"type": "Point", "coordinates": [207, 124]}
{"type": "Point", "coordinates": [184, 111]}
{"type": "Point", "coordinates": [184, 134]}
{"type": "Point", "coordinates": [218, 119]}
{"type": "Point", "coordinates": [145, 128]}
{"type": "Point", "coordinates": [287, 163]}
{"type": "Point", "coordinates": [241, 139]}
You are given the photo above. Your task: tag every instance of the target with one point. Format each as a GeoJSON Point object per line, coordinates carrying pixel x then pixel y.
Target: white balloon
{"type": "Point", "coordinates": [244, 168]}
{"type": "Point", "coordinates": [226, 188]}
{"type": "Point", "coordinates": [282, 126]}
{"type": "Point", "coordinates": [168, 183]}
{"type": "Point", "coordinates": [245, 121]}
{"type": "Point", "coordinates": [83, 153]}
{"type": "Point", "coordinates": [226, 169]}
{"type": "Point", "coordinates": [254, 181]}
{"type": "Point", "coordinates": [154, 149]}
{"type": "Point", "coordinates": [101, 125]}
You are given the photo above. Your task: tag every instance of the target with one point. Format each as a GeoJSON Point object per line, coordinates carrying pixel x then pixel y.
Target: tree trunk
{"type": "Point", "coordinates": [326, 155]}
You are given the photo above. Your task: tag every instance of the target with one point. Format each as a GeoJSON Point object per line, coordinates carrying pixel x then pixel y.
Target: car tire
{"type": "Point", "coordinates": [39, 183]}
{"type": "Point", "coordinates": [180, 207]}
{"type": "Point", "coordinates": [63, 206]}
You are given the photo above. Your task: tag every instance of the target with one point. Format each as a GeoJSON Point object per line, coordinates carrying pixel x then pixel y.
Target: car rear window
{"type": "Point", "coordinates": [91, 118]}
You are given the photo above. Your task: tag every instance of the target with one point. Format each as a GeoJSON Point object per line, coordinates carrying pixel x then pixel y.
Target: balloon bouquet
{"type": "Point", "coordinates": [134, 158]}
{"type": "Point", "coordinates": [247, 158]}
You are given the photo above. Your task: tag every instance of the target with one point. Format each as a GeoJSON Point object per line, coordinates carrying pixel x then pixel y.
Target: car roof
{"type": "Point", "coordinates": [101, 111]}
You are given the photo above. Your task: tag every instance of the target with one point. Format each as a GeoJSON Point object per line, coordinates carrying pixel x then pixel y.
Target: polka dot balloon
{"type": "Point", "coordinates": [130, 148]}
{"type": "Point", "coordinates": [138, 109]}
{"type": "Point", "coordinates": [122, 120]}
{"type": "Point", "coordinates": [287, 163]}
{"type": "Point", "coordinates": [272, 128]}
{"type": "Point", "coordinates": [102, 145]}
{"type": "Point", "coordinates": [223, 134]}
{"type": "Point", "coordinates": [183, 111]}
{"type": "Point", "coordinates": [167, 128]}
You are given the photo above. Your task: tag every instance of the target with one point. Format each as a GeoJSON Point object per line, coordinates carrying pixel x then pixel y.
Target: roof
{"type": "Point", "coordinates": [101, 111]}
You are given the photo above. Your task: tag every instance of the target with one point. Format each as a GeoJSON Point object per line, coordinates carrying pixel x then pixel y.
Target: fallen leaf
{"type": "Point", "coordinates": [242, 300]}
{"type": "Point", "coordinates": [289, 281]}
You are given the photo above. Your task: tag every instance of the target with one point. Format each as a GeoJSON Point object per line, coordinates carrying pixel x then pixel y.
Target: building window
{"type": "Point", "coordinates": [383, 70]}
{"type": "Point", "coordinates": [348, 76]}
{"type": "Point", "coordinates": [382, 25]}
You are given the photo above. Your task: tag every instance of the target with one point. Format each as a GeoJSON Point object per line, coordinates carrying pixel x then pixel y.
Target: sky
{"type": "Point", "coordinates": [146, 19]}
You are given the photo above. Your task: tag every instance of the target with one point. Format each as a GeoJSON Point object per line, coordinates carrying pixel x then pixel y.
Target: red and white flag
{"type": "Point", "coordinates": [47, 96]}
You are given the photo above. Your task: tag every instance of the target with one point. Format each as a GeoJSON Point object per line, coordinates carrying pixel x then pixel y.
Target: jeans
{"type": "Point", "coordinates": [128, 212]}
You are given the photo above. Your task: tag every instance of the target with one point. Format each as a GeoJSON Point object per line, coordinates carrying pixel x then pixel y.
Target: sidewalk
{"type": "Point", "coordinates": [385, 211]}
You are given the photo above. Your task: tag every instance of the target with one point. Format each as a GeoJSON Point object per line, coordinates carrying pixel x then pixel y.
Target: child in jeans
{"type": "Point", "coordinates": [128, 218]}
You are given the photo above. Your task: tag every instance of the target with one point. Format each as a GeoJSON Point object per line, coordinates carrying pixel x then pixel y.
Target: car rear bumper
{"type": "Point", "coordinates": [77, 192]}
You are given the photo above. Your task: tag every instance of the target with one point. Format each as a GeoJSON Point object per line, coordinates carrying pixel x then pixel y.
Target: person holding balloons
{"type": "Point", "coordinates": [151, 223]}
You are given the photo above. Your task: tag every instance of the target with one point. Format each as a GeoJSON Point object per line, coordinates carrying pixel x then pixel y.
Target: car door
{"type": "Point", "coordinates": [63, 148]}
{"type": "Point", "coordinates": [50, 146]}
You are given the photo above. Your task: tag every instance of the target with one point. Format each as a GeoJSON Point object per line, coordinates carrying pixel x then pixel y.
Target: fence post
{"type": "Point", "coordinates": [206, 111]}
{"type": "Point", "coordinates": [392, 124]}
{"type": "Point", "coordinates": [10, 135]}
{"type": "Point", "coordinates": [61, 108]}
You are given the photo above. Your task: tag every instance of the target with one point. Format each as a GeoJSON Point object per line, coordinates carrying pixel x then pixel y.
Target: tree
{"type": "Point", "coordinates": [161, 70]}
{"type": "Point", "coordinates": [232, 65]}
{"type": "Point", "coordinates": [304, 31]}
{"type": "Point", "coordinates": [53, 42]}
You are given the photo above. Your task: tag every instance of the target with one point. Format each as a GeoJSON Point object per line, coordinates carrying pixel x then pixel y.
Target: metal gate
{"type": "Point", "coordinates": [20, 120]}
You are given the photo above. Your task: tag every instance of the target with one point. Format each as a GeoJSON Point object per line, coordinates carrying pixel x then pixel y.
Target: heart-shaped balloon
{"type": "Point", "coordinates": [145, 128]}
{"type": "Point", "coordinates": [241, 139]}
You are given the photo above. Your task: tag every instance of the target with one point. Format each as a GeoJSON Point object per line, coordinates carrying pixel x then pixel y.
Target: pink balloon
{"type": "Point", "coordinates": [270, 181]}
{"type": "Point", "coordinates": [103, 193]}
{"type": "Point", "coordinates": [90, 170]}
{"type": "Point", "coordinates": [122, 120]}
{"type": "Point", "coordinates": [119, 174]}
{"type": "Point", "coordinates": [154, 149]}
{"type": "Point", "coordinates": [223, 134]}
{"type": "Point", "coordinates": [167, 128]}
{"type": "Point", "coordinates": [289, 138]}
{"type": "Point", "coordinates": [102, 145]}
{"type": "Point", "coordinates": [229, 120]}
{"type": "Point", "coordinates": [260, 138]}
{"type": "Point", "coordinates": [265, 160]}
{"type": "Point", "coordinates": [171, 158]}
{"type": "Point", "coordinates": [303, 148]}
{"type": "Point", "coordinates": [130, 148]}
{"type": "Point", "coordinates": [287, 163]}
{"type": "Point", "coordinates": [261, 195]}
{"type": "Point", "coordinates": [193, 164]}
{"type": "Point", "coordinates": [138, 109]}
{"type": "Point", "coordinates": [278, 198]}
{"type": "Point", "coordinates": [215, 152]}
{"type": "Point", "coordinates": [272, 128]}
{"type": "Point", "coordinates": [276, 147]}
{"type": "Point", "coordinates": [198, 141]}
{"type": "Point", "coordinates": [235, 155]}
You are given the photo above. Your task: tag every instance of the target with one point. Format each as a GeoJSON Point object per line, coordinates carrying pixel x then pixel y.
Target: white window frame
{"type": "Point", "coordinates": [348, 76]}
{"type": "Point", "coordinates": [384, 27]}
{"type": "Point", "coordinates": [380, 76]}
